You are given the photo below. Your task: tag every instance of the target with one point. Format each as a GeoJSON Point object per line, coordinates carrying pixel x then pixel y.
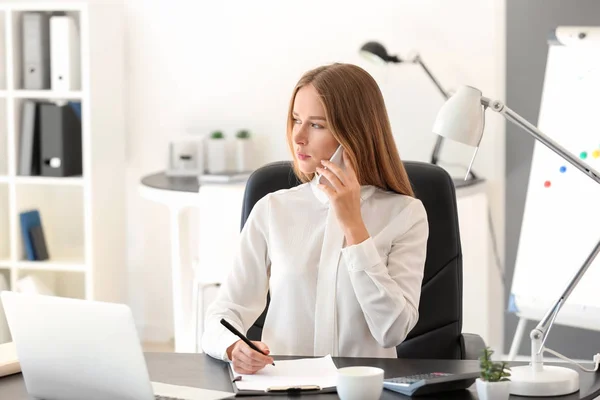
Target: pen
{"type": "Point", "coordinates": [241, 336]}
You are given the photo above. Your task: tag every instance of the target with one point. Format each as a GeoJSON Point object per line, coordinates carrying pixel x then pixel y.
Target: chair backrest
{"type": "Point", "coordinates": [438, 331]}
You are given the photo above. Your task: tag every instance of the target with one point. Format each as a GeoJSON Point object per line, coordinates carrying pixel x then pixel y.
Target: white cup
{"type": "Point", "coordinates": [359, 383]}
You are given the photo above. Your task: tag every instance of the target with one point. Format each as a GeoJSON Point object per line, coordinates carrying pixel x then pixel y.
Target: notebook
{"type": "Point", "coordinates": [306, 375]}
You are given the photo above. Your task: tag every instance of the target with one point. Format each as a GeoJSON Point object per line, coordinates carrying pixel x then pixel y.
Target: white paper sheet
{"type": "Point", "coordinates": [306, 371]}
{"type": "Point", "coordinates": [188, 393]}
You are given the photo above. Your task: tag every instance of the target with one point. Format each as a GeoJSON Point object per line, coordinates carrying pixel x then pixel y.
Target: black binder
{"type": "Point", "coordinates": [29, 146]}
{"type": "Point", "coordinates": [60, 131]}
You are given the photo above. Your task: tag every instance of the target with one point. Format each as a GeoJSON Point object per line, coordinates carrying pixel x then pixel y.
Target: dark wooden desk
{"type": "Point", "coordinates": [199, 370]}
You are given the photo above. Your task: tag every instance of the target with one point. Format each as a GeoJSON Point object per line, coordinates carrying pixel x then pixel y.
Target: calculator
{"type": "Point", "coordinates": [432, 382]}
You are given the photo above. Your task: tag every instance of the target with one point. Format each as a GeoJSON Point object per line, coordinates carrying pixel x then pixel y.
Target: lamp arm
{"type": "Point", "coordinates": [543, 327]}
{"type": "Point", "coordinates": [515, 118]}
{"type": "Point", "coordinates": [539, 334]}
{"type": "Point", "coordinates": [439, 140]}
{"type": "Point", "coordinates": [437, 84]}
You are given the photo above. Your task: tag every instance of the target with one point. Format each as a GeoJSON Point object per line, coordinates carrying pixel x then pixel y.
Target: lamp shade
{"type": "Point", "coordinates": [375, 51]}
{"type": "Point", "coordinates": [461, 117]}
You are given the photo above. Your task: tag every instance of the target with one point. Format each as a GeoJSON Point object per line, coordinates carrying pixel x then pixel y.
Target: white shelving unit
{"type": "Point", "coordinates": [83, 217]}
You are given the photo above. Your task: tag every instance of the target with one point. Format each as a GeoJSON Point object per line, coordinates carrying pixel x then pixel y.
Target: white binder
{"type": "Point", "coordinates": [65, 60]}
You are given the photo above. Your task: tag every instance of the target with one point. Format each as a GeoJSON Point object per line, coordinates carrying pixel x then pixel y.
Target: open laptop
{"type": "Point", "coordinates": [73, 349]}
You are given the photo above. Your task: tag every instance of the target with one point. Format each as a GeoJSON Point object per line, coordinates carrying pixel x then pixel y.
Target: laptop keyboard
{"type": "Point", "coordinates": [157, 397]}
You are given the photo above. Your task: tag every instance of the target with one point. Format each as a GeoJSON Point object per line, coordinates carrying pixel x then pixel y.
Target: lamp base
{"type": "Point", "coordinates": [550, 381]}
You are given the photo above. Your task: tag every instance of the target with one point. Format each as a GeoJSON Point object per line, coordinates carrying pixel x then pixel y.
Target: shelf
{"type": "Point", "coordinates": [61, 282]}
{"type": "Point", "coordinates": [62, 265]}
{"type": "Point", "coordinates": [43, 180]}
{"type": "Point", "coordinates": [61, 211]}
{"type": "Point", "coordinates": [5, 233]}
{"type": "Point", "coordinates": [45, 94]}
{"type": "Point", "coordinates": [46, 6]}
{"type": "Point", "coordinates": [4, 140]}
{"type": "Point", "coordinates": [3, 55]}
{"type": "Point", "coordinates": [47, 180]}
{"type": "Point", "coordinates": [82, 216]}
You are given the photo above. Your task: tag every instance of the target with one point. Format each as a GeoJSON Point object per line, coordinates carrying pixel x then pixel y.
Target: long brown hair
{"type": "Point", "coordinates": [357, 118]}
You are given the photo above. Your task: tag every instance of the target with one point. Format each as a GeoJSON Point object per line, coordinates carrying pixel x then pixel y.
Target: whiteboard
{"type": "Point", "coordinates": [561, 220]}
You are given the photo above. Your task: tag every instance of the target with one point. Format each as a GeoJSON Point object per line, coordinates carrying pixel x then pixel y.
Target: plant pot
{"type": "Point", "coordinates": [243, 149]}
{"type": "Point", "coordinates": [216, 156]}
{"type": "Point", "coordinates": [492, 390]}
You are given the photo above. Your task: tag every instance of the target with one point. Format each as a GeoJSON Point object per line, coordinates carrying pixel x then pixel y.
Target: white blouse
{"type": "Point", "coordinates": [355, 301]}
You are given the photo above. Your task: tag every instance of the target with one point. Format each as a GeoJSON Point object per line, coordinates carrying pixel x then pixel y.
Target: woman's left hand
{"type": "Point", "coordinates": [344, 196]}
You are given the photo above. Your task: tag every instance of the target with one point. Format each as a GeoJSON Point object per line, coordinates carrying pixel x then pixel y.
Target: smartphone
{"type": "Point", "coordinates": [337, 159]}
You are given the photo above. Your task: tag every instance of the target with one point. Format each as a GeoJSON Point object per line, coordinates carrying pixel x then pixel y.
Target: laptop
{"type": "Point", "coordinates": [72, 349]}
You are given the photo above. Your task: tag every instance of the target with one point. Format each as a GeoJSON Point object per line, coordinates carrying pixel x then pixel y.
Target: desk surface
{"type": "Point", "coordinates": [161, 181]}
{"type": "Point", "coordinates": [199, 370]}
{"type": "Point", "coordinates": [190, 184]}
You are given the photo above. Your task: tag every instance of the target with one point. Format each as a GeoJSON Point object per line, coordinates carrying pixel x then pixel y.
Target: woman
{"type": "Point", "coordinates": [343, 260]}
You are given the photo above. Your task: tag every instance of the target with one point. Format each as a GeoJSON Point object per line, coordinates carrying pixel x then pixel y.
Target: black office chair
{"type": "Point", "coordinates": [438, 332]}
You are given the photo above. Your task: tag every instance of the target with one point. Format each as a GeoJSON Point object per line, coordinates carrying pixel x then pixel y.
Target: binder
{"type": "Point", "coordinates": [65, 60]}
{"type": "Point", "coordinates": [29, 146]}
{"type": "Point", "coordinates": [60, 131]}
{"type": "Point", "coordinates": [36, 50]}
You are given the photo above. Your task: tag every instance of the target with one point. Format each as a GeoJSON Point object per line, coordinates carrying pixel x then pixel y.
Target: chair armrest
{"type": "Point", "coordinates": [471, 346]}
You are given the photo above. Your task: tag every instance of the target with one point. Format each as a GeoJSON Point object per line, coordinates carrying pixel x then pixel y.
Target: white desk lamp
{"type": "Point", "coordinates": [461, 119]}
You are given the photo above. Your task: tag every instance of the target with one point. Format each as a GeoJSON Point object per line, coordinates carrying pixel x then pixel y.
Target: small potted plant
{"type": "Point", "coordinates": [216, 153]}
{"type": "Point", "coordinates": [243, 149]}
{"type": "Point", "coordinates": [493, 382]}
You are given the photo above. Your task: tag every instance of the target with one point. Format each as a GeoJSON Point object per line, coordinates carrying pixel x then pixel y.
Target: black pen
{"type": "Point", "coordinates": [241, 336]}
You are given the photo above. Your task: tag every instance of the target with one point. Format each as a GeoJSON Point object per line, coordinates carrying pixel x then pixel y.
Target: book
{"type": "Point", "coordinates": [31, 222]}
{"type": "Point", "coordinates": [39, 243]}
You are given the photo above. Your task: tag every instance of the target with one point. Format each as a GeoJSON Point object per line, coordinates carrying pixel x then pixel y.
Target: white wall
{"type": "Point", "coordinates": [198, 66]}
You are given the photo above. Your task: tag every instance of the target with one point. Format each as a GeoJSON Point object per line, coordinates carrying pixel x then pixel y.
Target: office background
{"type": "Point", "coordinates": [199, 66]}
{"type": "Point", "coordinates": [528, 23]}
{"type": "Point", "coordinates": [192, 67]}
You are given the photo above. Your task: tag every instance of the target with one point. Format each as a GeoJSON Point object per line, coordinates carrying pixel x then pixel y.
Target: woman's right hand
{"type": "Point", "coordinates": [247, 361]}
